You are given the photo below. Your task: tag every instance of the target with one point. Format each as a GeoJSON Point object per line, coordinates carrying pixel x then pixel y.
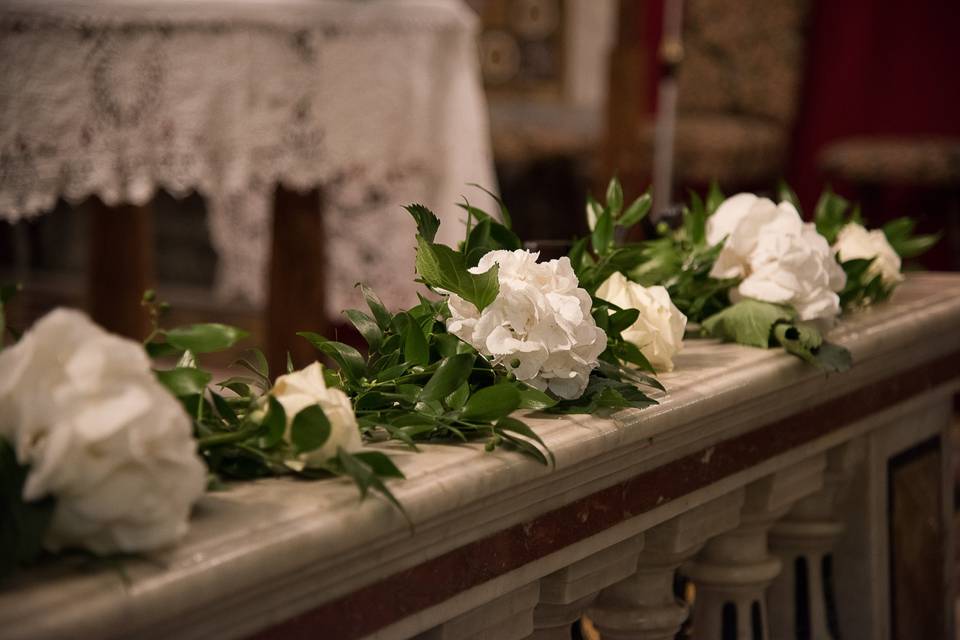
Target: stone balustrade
{"type": "Point", "coordinates": [797, 504]}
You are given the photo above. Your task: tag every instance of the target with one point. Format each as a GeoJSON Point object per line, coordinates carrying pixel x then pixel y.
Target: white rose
{"type": "Point", "coordinates": [855, 242]}
{"type": "Point", "coordinates": [100, 434]}
{"type": "Point", "coordinates": [740, 219]}
{"type": "Point", "coordinates": [658, 331]}
{"type": "Point", "coordinates": [301, 389]}
{"type": "Point", "coordinates": [795, 269]}
{"type": "Point", "coordinates": [539, 326]}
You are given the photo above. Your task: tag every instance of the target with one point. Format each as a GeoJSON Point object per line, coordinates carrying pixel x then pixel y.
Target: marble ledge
{"type": "Point", "coordinates": [262, 552]}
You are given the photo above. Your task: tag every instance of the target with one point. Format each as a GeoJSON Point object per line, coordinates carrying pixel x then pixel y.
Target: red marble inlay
{"type": "Point", "coordinates": [434, 581]}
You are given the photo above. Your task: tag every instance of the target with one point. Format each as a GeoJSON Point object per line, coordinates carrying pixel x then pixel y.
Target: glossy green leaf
{"type": "Point", "coordinates": [637, 211]}
{"type": "Point", "coordinates": [367, 327]}
{"type": "Point", "coordinates": [786, 194]}
{"type": "Point", "coordinates": [310, 429]}
{"type": "Point", "coordinates": [748, 322]}
{"type": "Point", "coordinates": [491, 403]}
{"type": "Point", "coordinates": [379, 463]}
{"type": "Point", "coordinates": [381, 315]}
{"type": "Point", "coordinates": [614, 197]}
{"type": "Point", "coordinates": [427, 221]}
{"type": "Point", "coordinates": [274, 424]}
{"type": "Point", "coordinates": [351, 363]}
{"type": "Point", "coordinates": [443, 268]}
{"type": "Point", "coordinates": [184, 381]}
{"type": "Point", "coordinates": [522, 428]}
{"type": "Point", "coordinates": [505, 216]}
{"type": "Point", "coordinates": [714, 199]}
{"type": "Point", "coordinates": [205, 338]}
{"type": "Point", "coordinates": [449, 376]}
{"type": "Point", "coordinates": [23, 525]}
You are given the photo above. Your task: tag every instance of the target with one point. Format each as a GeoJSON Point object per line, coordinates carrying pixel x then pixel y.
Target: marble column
{"type": "Point", "coordinates": [566, 593]}
{"type": "Point", "coordinates": [643, 606]}
{"type": "Point", "coordinates": [800, 597]}
{"type": "Point", "coordinates": [734, 569]}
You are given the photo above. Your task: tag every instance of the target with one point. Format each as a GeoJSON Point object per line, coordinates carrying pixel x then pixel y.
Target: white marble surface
{"type": "Point", "coordinates": [262, 552]}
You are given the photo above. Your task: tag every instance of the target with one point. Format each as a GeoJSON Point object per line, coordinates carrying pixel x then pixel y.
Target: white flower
{"type": "Point", "coordinates": [780, 258]}
{"type": "Point", "coordinates": [301, 389]}
{"type": "Point", "coordinates": [855, 242]}
{"type": "Point", "coordinates": [740, 219]}
{"type": "Point", "coordinates": [658, 331]}
{"type": "Point", "coordinates": [539, 326]}
{"type": "Point", "coordinates": [795, 269]}
{"type": "Point", "coordinates": [101, 436]}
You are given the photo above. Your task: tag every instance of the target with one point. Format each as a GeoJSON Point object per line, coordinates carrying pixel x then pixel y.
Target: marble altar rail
{"type": "Point", "coordinates": [798, 504]}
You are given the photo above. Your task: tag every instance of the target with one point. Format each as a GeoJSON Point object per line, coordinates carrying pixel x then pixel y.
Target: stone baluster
{"type": "Point", "coordinates": [508, 617]}
{"type": "Point", "coordinates": [800, 598]}
{"type": "Point", "coordinates": [734, 569]}
{"type": "Point", "coordinates": [643, 606]}
{"type": "Point", "coordinates": [566, 593]}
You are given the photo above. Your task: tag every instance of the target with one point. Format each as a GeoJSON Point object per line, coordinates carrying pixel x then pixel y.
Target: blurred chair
{"type": "Point", "coordinates": [872, 164]}
{"type": "Point", "coordinates": [739, 85]}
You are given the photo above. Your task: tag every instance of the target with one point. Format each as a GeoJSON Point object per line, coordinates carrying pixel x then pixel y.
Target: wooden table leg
{"type": "Point", "coordinates": [296, 298]}
{"type": "Point", "coordinates": [120, 266]}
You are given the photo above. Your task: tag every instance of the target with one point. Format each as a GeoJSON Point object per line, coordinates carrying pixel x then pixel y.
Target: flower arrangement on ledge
{"type": "Point", "coordinates": [103, 453]}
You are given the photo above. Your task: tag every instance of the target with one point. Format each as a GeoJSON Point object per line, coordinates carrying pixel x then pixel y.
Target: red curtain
{"type": "Point", "coordinates": [874, 67]}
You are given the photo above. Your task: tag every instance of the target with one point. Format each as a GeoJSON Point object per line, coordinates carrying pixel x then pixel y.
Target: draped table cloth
{"type": "Point", "coordinates": [377, 102]}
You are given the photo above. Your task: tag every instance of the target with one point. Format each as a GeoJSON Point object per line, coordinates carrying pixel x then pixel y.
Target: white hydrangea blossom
{"type": "Point", "coordinates": [780, 258]}
{"type": "Point", "coordinates": [101, 435]}
{"type": "Point", "coordinates": [539, 326]}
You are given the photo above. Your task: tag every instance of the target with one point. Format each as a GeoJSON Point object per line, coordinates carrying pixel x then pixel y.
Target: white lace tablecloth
{"type": "Point", "coordinates": [379, 102]}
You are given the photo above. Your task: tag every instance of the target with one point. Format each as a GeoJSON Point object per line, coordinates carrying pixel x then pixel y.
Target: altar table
{"type": "Point", "coordinates": [376, 103]}
{"type": "Point", "coordinates": [795, 500]}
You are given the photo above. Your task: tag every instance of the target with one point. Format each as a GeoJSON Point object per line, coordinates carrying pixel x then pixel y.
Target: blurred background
{"type": "Point", "coordinates": [539, 100]}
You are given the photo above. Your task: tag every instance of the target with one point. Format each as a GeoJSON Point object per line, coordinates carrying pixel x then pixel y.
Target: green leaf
{"type": "Point", "coordinates": [367, 327]}
{"type": "Point", "coordinates": [534, 399]}
{"type": "Point", "coordinates": [491, 403]}
{"type": "Point", "coordinates": [899, 229]}
{"type": "Point", "coordinates": [205, 338]}
{"type": "Point", "coordinates": [829, 214]}
{"type": "Point", "coordinates": [458, 398]}
{"type": "Point", "coordinates": [427, 221]}
{"type": "Point", "coordinates": [602, 236]}
{"type": "Point", "coordinates": [748, 322]}
{"type": "Point", "coordinates": [695, 220]}
{"type": "Point", "coordinates": [786, 194]}
{"type": "Point", "coordinates": [184, 381]}
{"type": "Point", "coordinates": [223, 408]}
{"type": "Point", "coordinates": [416, 351]}
{"type": "Point", "coordinates": [915, 246]}
{"type": "Point", "coordinates": [488, 235]}
{"type": "Point", "coordinates": [622, 320]}
{"type": "Point", "coordinates": [714, 198]}
{"type": "Point", "coordinates": [310, 429]}
{"type": "Point", "coordinates": [161, 349]}
{"type": "Point", "coordinates": [23, 525]}
{"type": "Point", "coordinates": [443, 268]}
{"type": "Point", "coordinates": [637, 211]}
{"type": "Point", "coordinates": [614, 197]}
{"type": "Point", "coordinates": [522, 428]}
{"type": "Point", "coordinates": [351, 363]}
{"type": "Point", "coordinates": [8, 292]}
{"type": "Point", "coordinates": [274, 424]}
{"type": "Point", "coordinates": [379, 463]}
{"type": "Point", "coordinates": [377, 308]}
{"type": "Point", "coordinates": [365, 477]}
{"type": "Point", "coordinates": [449, 376]}
{"type": "Point", "coordinates": [504, 212]}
